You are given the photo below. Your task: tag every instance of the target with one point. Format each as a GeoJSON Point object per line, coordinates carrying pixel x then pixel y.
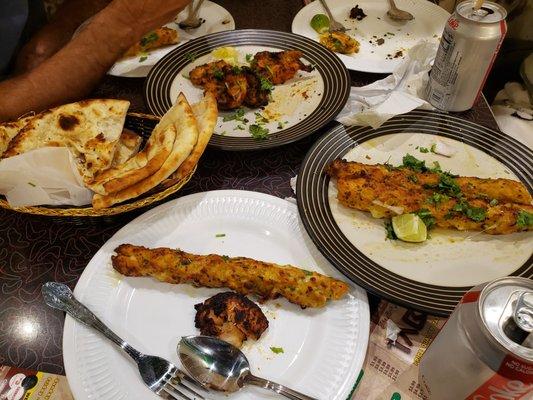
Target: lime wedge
{"type": "Point", "coordinates": [228, 54]}
{"type": "Point", "coordinates": [320, 23]}
{"type": "Point", "coordinates": [409, 228]}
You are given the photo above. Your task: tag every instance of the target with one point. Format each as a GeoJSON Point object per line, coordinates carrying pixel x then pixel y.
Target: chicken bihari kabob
{"type": "Point", "coordinates": [235, 86]}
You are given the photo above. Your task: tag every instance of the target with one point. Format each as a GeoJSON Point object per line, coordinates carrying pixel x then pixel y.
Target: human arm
{"type": "Point", "coordinates": [73, 71]}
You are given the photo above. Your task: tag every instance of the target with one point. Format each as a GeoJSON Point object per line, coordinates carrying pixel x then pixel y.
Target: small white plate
{"type": "Point", "coordinates": [217, 19]}
{"type": "Point", "coordinates": [428, 24]}
{"type": "Point", "coordinates": [324, 348]}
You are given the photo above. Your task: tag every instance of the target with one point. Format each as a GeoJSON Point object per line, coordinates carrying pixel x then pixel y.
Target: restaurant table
{"type": "Point", "coordinates": [34, 250]}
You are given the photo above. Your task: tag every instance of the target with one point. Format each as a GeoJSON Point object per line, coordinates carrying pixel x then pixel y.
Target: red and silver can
{"type": "Point", "coordinates": [485, 350]}
{"type": "Point", "coordinates": [468, 47]}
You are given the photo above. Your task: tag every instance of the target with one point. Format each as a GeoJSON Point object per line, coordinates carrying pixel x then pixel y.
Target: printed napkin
{"type": "Point", "coordinates": [398, 93]}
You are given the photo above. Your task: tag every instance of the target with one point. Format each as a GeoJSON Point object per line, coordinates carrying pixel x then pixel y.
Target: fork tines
{"type": "Point", "coordinates": [177, 389]}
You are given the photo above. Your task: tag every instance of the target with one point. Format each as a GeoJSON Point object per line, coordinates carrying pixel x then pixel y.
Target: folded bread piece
{"type": "Point", "coordinates": [206, 113]}
{"type": "Point", "coordinates": [8, 130]}
{"type": "Point", "coordinates": [180, 118]}
{"type": "Point", "coordinates": [128, 145]}
{"type": "Point", "coordinates": [90, 129]}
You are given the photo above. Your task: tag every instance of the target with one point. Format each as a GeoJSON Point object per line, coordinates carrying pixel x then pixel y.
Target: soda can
{"type": "Point", "coordinates": [468, 47]}
{"type": "Point", "coordinates": [485, 350]}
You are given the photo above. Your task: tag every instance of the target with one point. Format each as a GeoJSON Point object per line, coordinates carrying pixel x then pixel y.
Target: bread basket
{"type": "Point", "coordinates": [142, 125]}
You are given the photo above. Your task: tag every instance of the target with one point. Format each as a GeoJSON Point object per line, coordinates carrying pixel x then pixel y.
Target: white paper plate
{"type": "Point", "coordinates": [217, 19]}
{"type": "Point", "coordinates": [428, 24]}
{"type": "Point", "coordinates": [323, 349]}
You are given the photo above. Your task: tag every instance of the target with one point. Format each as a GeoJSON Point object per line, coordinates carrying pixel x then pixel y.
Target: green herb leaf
{"type": "Point", "coordinates": [236, 69]}
{"type": "Point", "coordinates": [237, 116]}
{"type": "Point", "coordinates": [433, 147]}
{"type": "Point", "coordinates": [266, 84]}
{"type": "Point", "coordinates": [423, 149]}
{"type": "Point", "coordinates": [476, 214]}
{"type": "Point", "coordinates": [280, 125]}
{"type": "Point", "coordinates": [413, 178]}
{"type": "Point", "coordinates": [414, 163]}
{"type": "Point", "coordinates": [190, 56]}
{"type": "Point", "coordinates": [391, 235]}
{"type": "Point", "coordinates": [225, 258]}
{"type": "Point", "coordinates": [219, 235]}
{"type": "Point", "coordinates": [149, 38]}
{"type": "Point", "coordinates": [493, 202]}
{"type": "Point", "coordinates": [249, 57]}
{"type": "Point", "coordinates": [524, 219]}
{"type": "Point", "coordinates": [218, 74]}
{"type": "Point", "coordinates": [308, 273]}
{"type": "Point", "coordinates": [277, 350]}
{"type": "Point", "coordinates": [143, 58]}
{"type": "Point", "coordinates": [437, 198]}
{"type": "Point", "coordinates": [258, 132]}
{"type": "Point", "coordinates": [241, 127]}
{"type": "Point", "coordinates": [449, 186]}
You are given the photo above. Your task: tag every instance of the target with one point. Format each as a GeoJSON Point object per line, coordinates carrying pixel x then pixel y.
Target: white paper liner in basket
{"type": "Point", "coordinates": [45, 176]}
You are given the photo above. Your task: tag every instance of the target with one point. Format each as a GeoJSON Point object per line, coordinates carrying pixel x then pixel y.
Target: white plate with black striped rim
{"type": "Point", "coordinates": [323, 349]}
{"type": "Point", "coordinates": [297, 108]}
{"type": "Point", "coordinates": [431, 276]}
{"type": "Point", "coordinates": [383, 41]}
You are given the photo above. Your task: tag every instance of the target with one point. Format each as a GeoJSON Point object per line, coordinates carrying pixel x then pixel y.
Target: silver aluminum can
{"type": "Point", "coordinates": [481, 353]}
{"type": "Point", "coordinates": [468, 47]}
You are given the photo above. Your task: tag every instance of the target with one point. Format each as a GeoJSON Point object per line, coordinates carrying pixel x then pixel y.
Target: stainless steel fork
{"type": "Point", "coordinates": [161, 376]}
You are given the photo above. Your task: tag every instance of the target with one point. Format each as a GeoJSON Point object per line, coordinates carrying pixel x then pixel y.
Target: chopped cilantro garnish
{"type": "Point", "coordinates": [218, 74]}
{"type": "Point", "coordinates": [280, 125]}
{"type": "Point", "coordinates": [277, 350]}
{"type": "Point", "coordinates": [437, 198]}
{"type": "Point", "coordinates": [423, 149]}
{"type": "Point", "coordinates": [449, 186]}
{"type": "Point", "coordinates": [240, 127]}
{"type": "Point", "coordinates": [149, 38]}
{"type": "Point", "coordinates": [237, 116]}
{"type": "Point", "coordinates": [186, 76]}
{"type": "Point", "coordinates": [493, 202]}
{"type": "Point", "coordinates": [308, 273]}
{"type": "Point", "coordinates": [414, 163]}
{"type": "Point", "coordinates": [391, 235]}
{"type": "Point", "coordinates": [236, 69]}
{"type": "Point", "coordinates": [265, 84]}
{"type": "Point", "coordinates": [249, 57]}
{"type": "Point", "coordinates": [143, 58]}
{"type": "Point", "coordinates": [524, 219]}
{"type": "Point", "coordinates": [225, 258]}
{"type": "Point", "coordinates": [426, 217]}
{"type": "Point", "coordinates": [433, 147]}
{"type": "Point", "coordinates": [260, 119]}
{"type": "Point", "coordinates": [32, 184]}
{"type": "Point", "coordinates": [258, 132]}
{"type": "Point", "coordinates": [219, 235]}
{"type": "Point", "coordinates": [190, 56]}
{"type": "Point", "coordinates": [476, 214]}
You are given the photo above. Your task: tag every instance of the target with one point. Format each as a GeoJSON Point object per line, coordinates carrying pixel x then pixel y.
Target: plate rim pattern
{"type": "Point", "coordinates": [337, 82]}
{"type": "Point", "coordinates": [315, 212]}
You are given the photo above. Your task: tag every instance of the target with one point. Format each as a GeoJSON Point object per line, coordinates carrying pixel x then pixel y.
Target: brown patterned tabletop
{"type": "Point", "coordinates": [34, 250]}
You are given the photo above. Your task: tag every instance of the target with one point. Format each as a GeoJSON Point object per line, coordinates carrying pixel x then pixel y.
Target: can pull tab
{"type": "Point", "coordinates": [523, 311]}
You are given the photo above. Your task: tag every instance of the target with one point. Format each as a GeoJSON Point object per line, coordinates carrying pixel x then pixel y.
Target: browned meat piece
{"type": "Point", "coordinates": [207, 72]}
{"type": "Point", "coordinates": [255, 96]}
{"type": "Point", "coordinates": [279, 67]}
{"type": "Point", "coordinates": [231, 317]}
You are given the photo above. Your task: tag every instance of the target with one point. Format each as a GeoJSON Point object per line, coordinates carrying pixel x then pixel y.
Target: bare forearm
{"type": "Point", "coordinates": [73, 71]}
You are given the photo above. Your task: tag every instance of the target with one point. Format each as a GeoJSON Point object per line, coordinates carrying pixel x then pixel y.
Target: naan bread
{"type": "Point", "coordinates": [206, 114]}
{"type": "Point", "coordinates": [8, 130]}
{"type": "Point", "coordinates": [89, 128]}
{"type": "Point", "coordinates": [181, 117]}
{"type": "Point", "coordinates": [128, 145]}
{"type": "Point", "coordinates": [138, 167]}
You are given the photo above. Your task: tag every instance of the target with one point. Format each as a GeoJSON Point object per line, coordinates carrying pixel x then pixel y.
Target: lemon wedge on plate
{"type": "Point", "coordinates": [228, 54]}
{"type": "Point", "coordinates": [320, 23]}
{"type": "Point", "coordinates": [409, 228]}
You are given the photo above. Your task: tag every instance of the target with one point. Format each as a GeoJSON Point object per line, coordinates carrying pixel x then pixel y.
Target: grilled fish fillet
{"type": "Point", "coordinates": [371, 187]}
{"type": "Point", "coordinates": [241, 274]}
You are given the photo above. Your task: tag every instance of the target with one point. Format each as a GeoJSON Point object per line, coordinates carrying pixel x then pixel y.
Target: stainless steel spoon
{"type": "Point", "coordinates": [397, 14]}
{"type": "Point", "coordinates": [221, 366]}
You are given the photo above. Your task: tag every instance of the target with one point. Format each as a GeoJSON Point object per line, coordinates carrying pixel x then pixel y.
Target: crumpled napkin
{"type": "Point", "coordinates": [43, 176]}
{"type": "Point", "coordinates": [398, 93]}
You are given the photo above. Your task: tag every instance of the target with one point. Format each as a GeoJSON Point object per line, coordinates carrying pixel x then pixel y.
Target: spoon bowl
{"type": "Point", "coordinates": [221, 366]}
